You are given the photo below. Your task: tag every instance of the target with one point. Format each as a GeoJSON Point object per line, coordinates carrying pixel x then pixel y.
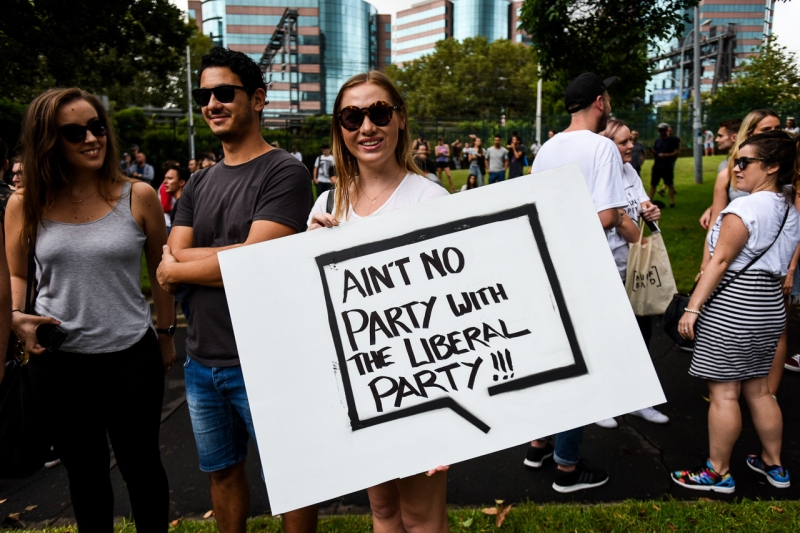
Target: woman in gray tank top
{"type": "Point", "coordinates": [88, 226]}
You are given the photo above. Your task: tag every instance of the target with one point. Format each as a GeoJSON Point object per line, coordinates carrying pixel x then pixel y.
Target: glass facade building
{"type": "Point", "coordinates": [336, 40]}
{"type": "Point", "coordinates": [488, 18]}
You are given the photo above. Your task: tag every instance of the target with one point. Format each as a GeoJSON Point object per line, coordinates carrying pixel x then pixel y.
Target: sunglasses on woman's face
{"type": "Point", "coordinates": [75, 133]}
{"type": "Point", "coordinates": [379, 113]}
{"type": "Point", "coordinates": [223, 93]}
{"type": "Point", "coordinates": [742, 162]}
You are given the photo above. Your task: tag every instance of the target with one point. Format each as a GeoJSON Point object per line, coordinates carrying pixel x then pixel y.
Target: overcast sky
{"type": "Point", "coordinates": [787, 16]}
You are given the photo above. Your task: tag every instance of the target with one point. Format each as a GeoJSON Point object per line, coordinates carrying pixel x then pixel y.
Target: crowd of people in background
{"type": "Point", "coordinates": [69, 170]}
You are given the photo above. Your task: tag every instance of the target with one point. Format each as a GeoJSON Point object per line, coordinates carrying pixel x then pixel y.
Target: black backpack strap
{"type": "Point", "coordinates": [31, 283]}
{"type": "Point", "coordinates": [331, 197]}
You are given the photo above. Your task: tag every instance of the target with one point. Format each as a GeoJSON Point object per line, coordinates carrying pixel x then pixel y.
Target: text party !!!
{"type": "Point", "coordinates": [427, 358]}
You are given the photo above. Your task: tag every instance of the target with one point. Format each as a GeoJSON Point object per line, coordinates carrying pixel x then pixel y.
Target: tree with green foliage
{"type": "Point", "coordinates": [608, 37]}
{"type": "Point", "coordinates": [470, 78]}
{"type": "Point", "coordinates": [99, 45]}
{"type": "Point", "coordinates": [770, 79]}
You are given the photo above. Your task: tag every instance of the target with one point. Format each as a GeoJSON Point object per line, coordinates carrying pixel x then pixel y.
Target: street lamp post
{"type": "Point", "coordinates": [697, 123]}
{"type": "Point", "coordinates": [539, 107]}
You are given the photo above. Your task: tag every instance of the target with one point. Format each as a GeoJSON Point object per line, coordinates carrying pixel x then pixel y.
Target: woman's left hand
{"type": "Point", "coordinates": [167, 345]}
{"type": "Point", "coordinates": [686, 325]}
{"type": "Point", "coordinates": [439, 468]}
{"type": "Point", "coordinates": [650, 212]}
{"type": "Point", "coordinates": [788, 283]}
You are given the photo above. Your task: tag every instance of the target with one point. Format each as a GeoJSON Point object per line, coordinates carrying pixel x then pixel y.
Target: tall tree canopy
{"type": "Point", "coordinates": [98, 45]}
{"type": "Point", "coordinates": [470, 78]}
{"type": "Point", "coordinates": [608, 37]}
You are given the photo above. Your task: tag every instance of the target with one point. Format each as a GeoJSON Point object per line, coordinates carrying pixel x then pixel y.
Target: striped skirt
{"type": "Point", "coordinates": [736, 335]}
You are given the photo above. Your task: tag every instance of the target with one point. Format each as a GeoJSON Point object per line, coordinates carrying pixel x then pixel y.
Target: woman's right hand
{"type": "Point", "coordinates": [705, 220]}
{"type": "Point", "coordinates": [24, 327]}
{"type": "Point", "coordinates": [322, 220]}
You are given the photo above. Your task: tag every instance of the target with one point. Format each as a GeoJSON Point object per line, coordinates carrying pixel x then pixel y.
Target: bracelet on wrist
{"type": "Point", "coordinates": [691, 311]}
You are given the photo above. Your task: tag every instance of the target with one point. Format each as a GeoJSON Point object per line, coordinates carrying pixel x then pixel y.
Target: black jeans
{"type": "Point", "coordinates": [90, 398]}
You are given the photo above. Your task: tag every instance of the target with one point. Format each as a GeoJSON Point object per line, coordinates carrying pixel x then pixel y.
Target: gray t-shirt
{"type": "Point", "coordinates": [220, 204]}
{"type": "Point", "coordinates": [497, 157]}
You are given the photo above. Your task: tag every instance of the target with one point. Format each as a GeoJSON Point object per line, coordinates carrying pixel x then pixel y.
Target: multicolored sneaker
{"type": "Point", "coordinates": [705, 479]}
{"type": "Point", "coordinates": [776, 475]}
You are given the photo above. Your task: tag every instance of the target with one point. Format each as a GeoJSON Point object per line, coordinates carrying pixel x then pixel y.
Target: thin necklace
{"type": "Point", "coordinates": [80, 201]}
{"type": "Point", "coordinates": [373, 200]}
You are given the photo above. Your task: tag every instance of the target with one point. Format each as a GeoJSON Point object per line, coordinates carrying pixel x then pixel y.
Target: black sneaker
{"type": "Point", "coordinates": [536, 456]}
{"type": "Point", "coordinates": [581, 478]}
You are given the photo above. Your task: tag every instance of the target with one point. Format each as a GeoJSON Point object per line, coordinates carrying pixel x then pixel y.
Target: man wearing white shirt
{"type": "Point", "coordinates": [589, 105]}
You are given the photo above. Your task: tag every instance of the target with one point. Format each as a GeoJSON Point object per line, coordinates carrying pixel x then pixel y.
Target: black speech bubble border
{"type": "Point", "coordinates": [575, 369]}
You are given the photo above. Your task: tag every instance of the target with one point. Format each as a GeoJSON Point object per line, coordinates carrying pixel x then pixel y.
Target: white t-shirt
{"type": "Point", "coordinates": [412, 190]}
{"type": "Point", "coordinates": [298, 156]}
{"type": "Point", "coordinates": [709, 137]}
{"type": "Point", "coordinates": [535, 149]}
{"type": "Point", "coordinates": [762, 214]}
{"type": "Point", "coordinates": [599, 159]}
{"type": "Point", "coordinates": [324, 164]}
{"type": "Point", "coordinates": [635, 193]}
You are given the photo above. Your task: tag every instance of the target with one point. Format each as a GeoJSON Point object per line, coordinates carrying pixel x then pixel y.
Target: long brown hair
{"type": "Point", "coordinates": [745, 131]}
{"type": "Point", "coordinates": [345, 163]}
{"type": "Point", "coordinates": [46, 172]}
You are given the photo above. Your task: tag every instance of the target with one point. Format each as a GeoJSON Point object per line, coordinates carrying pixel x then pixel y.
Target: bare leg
{"type": "Point", "coordinates": [449, 177]}
{"type": "Point", "coordinates": [384, 499]}
{"type": "Point", "coordinates": [776, 371]}
{"type": "Point", "coordinates": [724, 422]}
{"type": "Point", "coordinates": [671, 194]}
{"type": "Point", "coordinates": [423, 503]}
{"type": "Point", "coordinates": [766, 418]}
{"type": "Point", "coordinates": [415, 504]}
{"type": "Point", "coordinates": [301, 520]}
{"type": "Point", "coordinates": [230, 497]}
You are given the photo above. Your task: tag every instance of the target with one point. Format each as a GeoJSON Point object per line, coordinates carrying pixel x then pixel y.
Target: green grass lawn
{"type": "Point", "coordinates": [631, 516]}
{"type": "Point", "coordinates": [680, 228]}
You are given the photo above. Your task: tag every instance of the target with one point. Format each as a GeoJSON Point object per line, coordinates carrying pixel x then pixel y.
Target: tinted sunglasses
{"type": "Point", "coordinates": [379, 113]}
{"type": "Point", "coordinates": [742, 162]}
{"type": "Point", "coordinates": [75, 133]}
{"type": "Point", "coordinates": [223, 93]}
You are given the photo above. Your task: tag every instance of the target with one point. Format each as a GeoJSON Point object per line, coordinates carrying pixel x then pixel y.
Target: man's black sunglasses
{"type": "Point", "coordinates": [75, 133]}
{"type": "Point", "coordinates": [742, 162]}
{"type": "Point", "coordinates": [223, 93]}
{"type": "Point", "coordinates": [379, 113]}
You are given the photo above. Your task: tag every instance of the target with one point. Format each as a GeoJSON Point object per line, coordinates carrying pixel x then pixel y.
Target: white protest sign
{"type": "Point", "coordinates": [431, 335]}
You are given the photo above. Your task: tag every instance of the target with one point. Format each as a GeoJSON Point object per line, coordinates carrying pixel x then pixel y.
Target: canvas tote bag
{"type": "Point", "coordinates": [649, 282]}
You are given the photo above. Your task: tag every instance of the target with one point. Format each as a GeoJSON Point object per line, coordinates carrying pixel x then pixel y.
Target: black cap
{"type": "Point", "coordinates": [584, 90]}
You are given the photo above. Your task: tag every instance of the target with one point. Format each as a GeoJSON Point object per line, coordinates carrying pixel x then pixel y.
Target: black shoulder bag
{"type": "Point", "coordinates": [680, 302]}
{"type": "Point", "coordinates": [23, 447]}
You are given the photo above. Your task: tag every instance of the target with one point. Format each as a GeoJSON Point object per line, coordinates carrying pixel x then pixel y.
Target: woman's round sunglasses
{"type": "Point", "coordinates": [223, 93]}
{"type": "Point", "coordinates": [379, 113]}
{"type": "Point", "coordinates": [742, 162]}
{"type": "Point", "coordinates": [75, 133]}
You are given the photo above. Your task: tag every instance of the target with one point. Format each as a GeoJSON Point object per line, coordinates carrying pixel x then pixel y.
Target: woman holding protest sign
{"type": "Point", "coordinates": [736, 314]}
{"type": "Point", "coordinates": [376, 173]}
{"type": "Point", "coordinates": [639, 205]}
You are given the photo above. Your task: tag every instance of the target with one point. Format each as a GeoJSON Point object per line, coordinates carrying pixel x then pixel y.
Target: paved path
{"type": "Point", "coordinates": [638, 455]}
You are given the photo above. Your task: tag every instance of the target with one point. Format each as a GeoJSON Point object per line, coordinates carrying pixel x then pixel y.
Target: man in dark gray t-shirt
{"type": "Point", "coordinates": [256, 193]}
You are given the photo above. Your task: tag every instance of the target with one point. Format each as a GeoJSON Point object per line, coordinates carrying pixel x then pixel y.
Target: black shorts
{"type": "Point", "coordinates": [443, 164]}
{"type": "Point", "coordinates": [666, 174]}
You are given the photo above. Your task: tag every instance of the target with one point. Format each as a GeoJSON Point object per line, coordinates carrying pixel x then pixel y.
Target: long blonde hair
{"type": "Point", "coordinates": [746, 130]}
{"type": "Point", "coordinates": [345, 162]}
{"type": "Point", "coordinates": [45, 171]}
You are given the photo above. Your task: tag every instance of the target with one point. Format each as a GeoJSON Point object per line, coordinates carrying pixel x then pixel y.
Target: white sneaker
{"type": "Point", "coordinates": [651, 415]}
{"type": "Point", "coordinates": [608, 423]}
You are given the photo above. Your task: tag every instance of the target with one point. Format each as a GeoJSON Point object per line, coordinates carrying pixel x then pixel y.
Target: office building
{"type": "Point", "coordinates": [336, 40]}
{"type": "Point", "coordinates": [488, 18]}
{"type": "Point", "coordinates": [515, 33]}
{"type": "Point", "coordinates": [416, 30]}
{"type": "Point", "coordinates": [750, 20]}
